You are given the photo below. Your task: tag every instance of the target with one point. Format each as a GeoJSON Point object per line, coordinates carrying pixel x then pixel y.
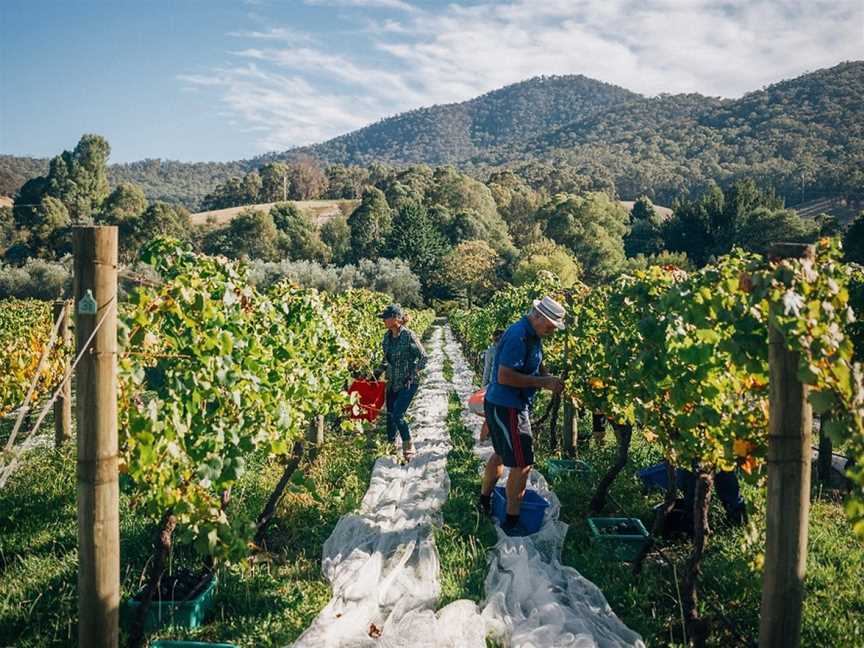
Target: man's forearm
{"type": "Point", "coordinates": [513, 378]}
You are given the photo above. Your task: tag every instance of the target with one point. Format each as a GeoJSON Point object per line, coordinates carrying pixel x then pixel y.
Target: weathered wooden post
{"type": "Point", "coordinates": [63, 404]}
{"type": "Point", "coordinates": [788, 503]}
{"type": "Point", "coordinates": [95, 273]}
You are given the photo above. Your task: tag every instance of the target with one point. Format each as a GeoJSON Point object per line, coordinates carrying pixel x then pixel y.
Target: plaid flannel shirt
{"type": "Point", "coordinates": [404, 357]}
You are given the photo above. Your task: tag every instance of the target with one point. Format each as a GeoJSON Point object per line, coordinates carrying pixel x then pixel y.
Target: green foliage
{"type": "Point", "coordinates": [471, 267]}
{"type": "Point", "coordinates": [646, 230]}
{"type": "Point", "coordinates": [125, 202]}
{"type": "Point", "coordinates": [299, 238]}
{"type": "Point", "coordinates": [592, 226]}
{"type": "Point", "coordinates": [392, 277]}
{"type": "Point", "coordinates": [742, 216]}
{"type": "Point", "coordinates": [159, 219]}
{"type": "Point", "coordinates": [370, 225]}
{"type": "Point", "coordinates": [336, 235]}
{"type": "Point", "coordinates": [674, 259]}
{"type": "Point", "coordinates": [685, 356]}
{"type": "Point", "coordinates": [37, 279]}
{"type": "Point", "coordinates": [415, 239]}
{"type": "Point", "coordinates": [212, 371]}
{"type": "Point", "coordinates": [25, 329]}
{"type": "Point", "coordinates": [546, 256]}
{"type": "Point", "coordinates": [853, 241]}
{"type": "Point", "coordinates": [251, 233]}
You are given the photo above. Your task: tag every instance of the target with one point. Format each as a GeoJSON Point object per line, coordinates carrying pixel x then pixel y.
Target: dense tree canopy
{"type": "Point", "coordinates": [591, 226]}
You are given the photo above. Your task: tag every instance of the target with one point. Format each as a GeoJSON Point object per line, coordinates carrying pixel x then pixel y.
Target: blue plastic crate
{"type": "Point", "coordinates": [655, 478]}
{"type": "Point", "coordinates": [530, 515]}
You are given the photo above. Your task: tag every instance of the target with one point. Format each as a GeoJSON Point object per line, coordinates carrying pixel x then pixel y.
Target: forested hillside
{"type": "Point", "coordinates": [804, 137]}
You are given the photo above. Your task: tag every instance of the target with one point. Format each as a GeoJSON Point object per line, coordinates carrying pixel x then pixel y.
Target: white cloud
{"type": "Point", "coordinates": [364, 4]}
{"type": "Point", "coordinates": [307, 90]}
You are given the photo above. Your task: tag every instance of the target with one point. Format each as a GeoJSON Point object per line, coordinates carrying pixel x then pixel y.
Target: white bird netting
{"type": "Point", "coordinates": [384, 570]}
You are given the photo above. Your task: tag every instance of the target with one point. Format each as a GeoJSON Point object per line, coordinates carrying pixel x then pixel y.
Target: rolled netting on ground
{"type": "Point", "coordinates": [382, 562]}
{"type": "Point", "coordinates": [384, 570]}
{"type": "Point", "coordinates": [532, 600]}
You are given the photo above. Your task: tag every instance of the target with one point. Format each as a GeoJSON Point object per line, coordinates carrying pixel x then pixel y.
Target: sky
{"type": "Point", "coordinates": [207, 80]}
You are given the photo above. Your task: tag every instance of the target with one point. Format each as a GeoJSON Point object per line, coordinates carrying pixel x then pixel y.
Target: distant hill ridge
{"type": "Point", "coordinates": [808, 130]}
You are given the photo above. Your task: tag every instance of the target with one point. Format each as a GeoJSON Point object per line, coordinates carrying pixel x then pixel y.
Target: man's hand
{"type": "Point", "coordinates": [553, 384]}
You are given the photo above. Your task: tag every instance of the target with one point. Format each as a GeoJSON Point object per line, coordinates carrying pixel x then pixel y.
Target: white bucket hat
{"type": "Point", "coordinates": [551, 310]}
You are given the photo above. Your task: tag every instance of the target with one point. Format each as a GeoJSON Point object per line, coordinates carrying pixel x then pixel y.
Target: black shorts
{"type": "Point", "coordinates": [510, 430]}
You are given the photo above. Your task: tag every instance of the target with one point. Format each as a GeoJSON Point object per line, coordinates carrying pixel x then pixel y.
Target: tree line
{"type": "Point", "coordinates": [456, 237]}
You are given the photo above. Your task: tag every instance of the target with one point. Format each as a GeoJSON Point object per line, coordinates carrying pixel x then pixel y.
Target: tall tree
{"type": "Point", "coordinates": [251, 233]}
{"type": "Point", "coordinates": [370, 225]}
{"type": "Point", "coordinates": [592, 227]}
{"type": "Point", "coordinates": [336, 235]}
{"type": "Point", "coordinates": [471, 267]}
{"type": "Point", "coordinates": [546, 256]}
{"type": "Point", "coordinates": [299, 238]}
{"type": "Point", "coordinates": [306, 180]}
{"type": "Point", "coordinates": [126, 201]}
{"type": "Point", "coordinates": [646, 230]}
{"type": "Point", "coordinates": [853, 241]}
{"type": "Point", "coordinates": [416, 240]}
{"type": "Point", "coordinates": [274, 181]}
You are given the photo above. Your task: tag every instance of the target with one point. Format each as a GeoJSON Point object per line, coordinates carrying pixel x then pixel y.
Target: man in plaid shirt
{"type": "Point", "coordinates": [404, 358]}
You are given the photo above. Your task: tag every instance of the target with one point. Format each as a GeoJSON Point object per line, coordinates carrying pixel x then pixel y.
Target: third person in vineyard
{"type": "Point", "coordinates": [404, 358]}
{"type": "Point", "coordinates": [516, 376]}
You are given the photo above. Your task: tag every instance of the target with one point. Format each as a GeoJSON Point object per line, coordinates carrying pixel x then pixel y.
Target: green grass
{"type": "Point", "coordinates": [730, 586]}
{"type": "Point", "coordinates": [465, 538]}
{"type": "Point", "coordinates": [268, 603]}
{"type": "Point", "coordinates": [447, 368]}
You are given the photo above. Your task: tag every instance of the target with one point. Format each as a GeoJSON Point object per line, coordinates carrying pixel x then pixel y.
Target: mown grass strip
{"type": "Point", "coordinates": [466, 537]}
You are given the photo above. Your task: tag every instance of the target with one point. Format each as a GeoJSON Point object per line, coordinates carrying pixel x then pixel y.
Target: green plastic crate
{"type": "Point", "coordinates": [187, 614]}
{"type": "Point", "coordinates": [169, 643]}
{"type": "Point", "coordinates": [557, 467]}
{"type": "Point", "coordinates": [619, 546]}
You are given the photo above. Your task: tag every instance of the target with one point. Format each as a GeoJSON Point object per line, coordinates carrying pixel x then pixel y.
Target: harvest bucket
{"type": "Point", "coordinates": [475, 402]}
{"type": "Point", "coordinates": [371, 395]}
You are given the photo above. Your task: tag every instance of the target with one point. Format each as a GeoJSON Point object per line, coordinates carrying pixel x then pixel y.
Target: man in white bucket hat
{"type": "Point", "coordinates": [516, 377]}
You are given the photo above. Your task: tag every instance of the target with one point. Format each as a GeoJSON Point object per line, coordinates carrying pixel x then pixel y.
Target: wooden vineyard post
{"type": "Point", "coordinates": [63, 404]}
{"type": "Point", "coordinates": [788, 502]}
{"type": "Point", "coordinates": [95, 273]}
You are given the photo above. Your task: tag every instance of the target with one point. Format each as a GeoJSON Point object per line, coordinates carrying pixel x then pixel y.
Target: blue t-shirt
{"type": "Point", "coordinates": [519, 349]}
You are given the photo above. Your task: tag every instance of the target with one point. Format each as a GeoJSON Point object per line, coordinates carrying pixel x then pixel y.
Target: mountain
{"type": "Point", "coordinates": [804, 136]}
{"type": "Point", "coordinates": [451, 133]}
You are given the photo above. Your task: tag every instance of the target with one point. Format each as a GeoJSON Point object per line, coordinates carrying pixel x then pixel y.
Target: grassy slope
{"type": "Point", "coordinates": [320, 211]}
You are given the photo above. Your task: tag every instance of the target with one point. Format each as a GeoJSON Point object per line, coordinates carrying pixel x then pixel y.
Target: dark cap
{"type": "Point", "coordinates": [392, 311]}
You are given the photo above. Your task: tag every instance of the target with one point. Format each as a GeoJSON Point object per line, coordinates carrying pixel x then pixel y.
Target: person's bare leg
{"type": "Point", "coordinates": [493, 472]}
{"type": "Point", "coordinates": [516, 481]}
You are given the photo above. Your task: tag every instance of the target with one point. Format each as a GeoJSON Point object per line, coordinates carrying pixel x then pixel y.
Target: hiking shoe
{"type": "Point", "coordinates": [409, 451]}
